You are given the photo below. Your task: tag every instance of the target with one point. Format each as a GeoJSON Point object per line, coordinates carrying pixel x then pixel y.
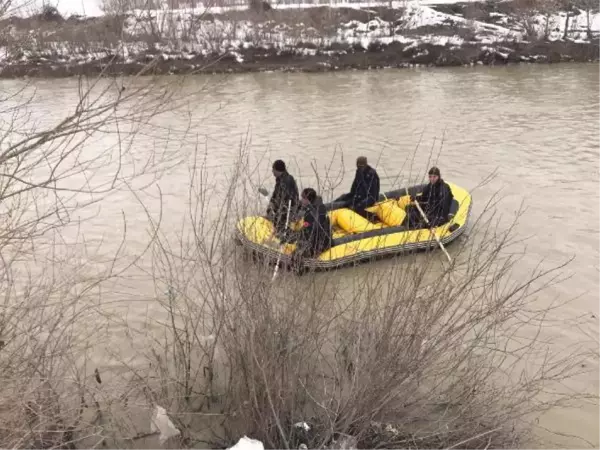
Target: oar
{"type": "Point", "coordinates": [431, 228]}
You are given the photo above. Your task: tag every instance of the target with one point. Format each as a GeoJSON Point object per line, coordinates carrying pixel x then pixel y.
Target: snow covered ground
{"type": "Point", "coordinates": [187, 33]}
{"type": "Point", "coordinates": [187, 28]}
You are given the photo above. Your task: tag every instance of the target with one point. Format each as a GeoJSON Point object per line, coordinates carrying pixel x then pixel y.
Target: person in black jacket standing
{"type": "Point", "coordinates": [435, 200]}
{"type": "Point", "coordinates": [365, 188]}
{"type": "Point", "coordinates": [285, 191]}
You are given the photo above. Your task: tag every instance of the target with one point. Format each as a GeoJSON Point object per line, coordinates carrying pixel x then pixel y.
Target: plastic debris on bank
{"type": "Point", "coordinates": [246, 443]}
{"type": "Point", "coordinates": [161, 423]}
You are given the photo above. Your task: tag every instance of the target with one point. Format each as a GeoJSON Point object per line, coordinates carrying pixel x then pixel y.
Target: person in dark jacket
{"type": "Point", "coordinates": [314, 237]}
{"type": "Point", "coordinates": [365, 188]}
{"type": "Point", "coordinates": [435, 201]}
{"type": "Point", "coordinates": [285, 190]}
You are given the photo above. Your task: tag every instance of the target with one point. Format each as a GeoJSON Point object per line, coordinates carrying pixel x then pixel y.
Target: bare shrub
{"type": "Point", "coordinates": [259, 6]}
{"type": "Point", "coordinates": [50, 14]}
{"type": "Point", "coordinates": [52, 278]}
{"type": "Point", "coordinates": [4, 7]}
{"type": "Point", "coordinates": [474, 11]}
{"type": "Point", "coordinates": [403, 354]}
{"type": "Point", "coordinates": [550, 8]}
{"type": "Point", "coordinates": [525, 11]}
{"type": "Point", "coordinates": [589, 7]}
{"type": "Point", "coordinates": [74, 37]}
{"type": "Point", "coordinates": [120, 7]}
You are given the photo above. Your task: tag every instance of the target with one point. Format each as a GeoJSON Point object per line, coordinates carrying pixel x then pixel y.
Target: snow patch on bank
{"type": "Point", "coordinates": [185, 34]}
{"type": "Point", "coordinates": [190, 27]}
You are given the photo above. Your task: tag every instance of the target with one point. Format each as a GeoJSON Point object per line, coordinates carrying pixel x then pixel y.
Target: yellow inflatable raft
{"type": "Point", "coordinates": [355, 238]}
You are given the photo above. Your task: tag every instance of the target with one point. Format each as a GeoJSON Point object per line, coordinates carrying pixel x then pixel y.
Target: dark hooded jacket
{"type": "Point", "coordinates": [315, 235]}
{"type": "Point", "coordinates": [436, 200]}
{"type": "Point", "coordinates": [365, 188]}
{"type": "Point", "coordinates": [285, 190]}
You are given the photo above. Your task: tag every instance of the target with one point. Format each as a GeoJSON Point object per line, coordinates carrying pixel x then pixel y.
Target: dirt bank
{"type": "Point", "coordinates": [314, 39]}
{"type": "Point", "coordinates": [377, 56]}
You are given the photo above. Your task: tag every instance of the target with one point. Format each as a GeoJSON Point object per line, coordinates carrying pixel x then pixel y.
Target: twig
{"type": "Point", "coordinates": [474, 438]}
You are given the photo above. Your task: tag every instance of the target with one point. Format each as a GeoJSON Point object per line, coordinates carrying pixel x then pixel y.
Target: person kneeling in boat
{"type": "Point", "coordinates": [285, 191]}
{"type": "Point", "coordinates": [435, 201]}
{"type": "Point", "coordinates": [365, 188]}
{"type": "Point", "coordinates": [314, 236]}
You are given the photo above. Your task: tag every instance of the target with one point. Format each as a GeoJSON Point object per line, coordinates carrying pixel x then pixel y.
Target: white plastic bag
{"type": "Point", "coordinates": [161, 423]}
{"type": "Point", "coordinates": [303, 425]}
{"type": "Point", "coordinates": [246, 443]}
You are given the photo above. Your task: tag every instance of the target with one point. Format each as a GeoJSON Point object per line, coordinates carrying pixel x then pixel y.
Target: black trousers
{"type": "Point", "coordinates": [415, 220]}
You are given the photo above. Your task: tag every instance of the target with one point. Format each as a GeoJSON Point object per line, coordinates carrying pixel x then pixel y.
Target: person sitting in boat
{"type": "Point", "coordinates": [435, 201]}
{"type": "Point", "coordinates": [285, 191]}
{"type": "Point", "coordinates": [314, 236]}
{"type": "Point", "coordinates": [365, 188]}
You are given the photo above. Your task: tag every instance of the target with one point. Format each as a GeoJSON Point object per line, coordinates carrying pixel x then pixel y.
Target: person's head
{"type": "Point", "coordinates": [278, 168]}
{"type": "Point", "coordinates": [308, 196]}
{"type": "Point", "coordinates": [434, 175]}
{"type": "Point", "coordinates": [361, 163]}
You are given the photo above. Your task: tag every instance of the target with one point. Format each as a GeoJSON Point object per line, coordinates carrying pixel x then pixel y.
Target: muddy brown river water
{"type": "Point", "coordinates": [536, 126]}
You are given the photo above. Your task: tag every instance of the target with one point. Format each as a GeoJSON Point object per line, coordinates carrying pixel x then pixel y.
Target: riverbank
{"type": "Point", "coordinates": [301, 38]}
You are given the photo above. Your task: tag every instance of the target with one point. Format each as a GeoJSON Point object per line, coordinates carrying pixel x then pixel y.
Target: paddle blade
{"type": "Point", "coordinates": [262, 191]}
